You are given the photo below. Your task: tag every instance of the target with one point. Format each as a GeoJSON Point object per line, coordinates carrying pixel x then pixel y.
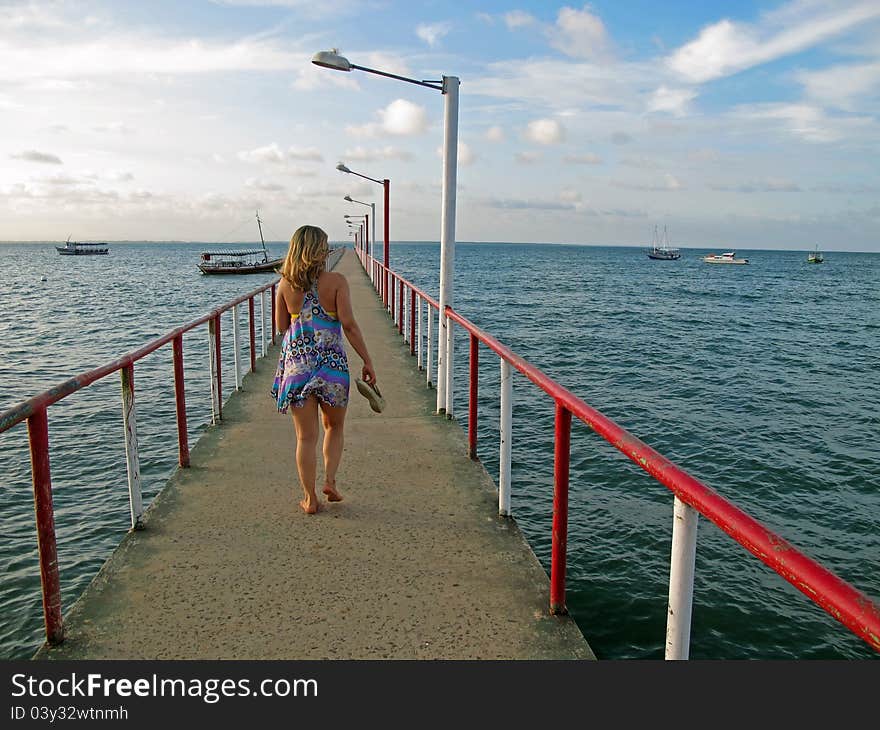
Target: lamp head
{"type": "Point", "coordinates": [342, 168]}
{"type": "Point", "coordinates": [348, 198]}
{"type": "Point", "coordinates": [331, 59]}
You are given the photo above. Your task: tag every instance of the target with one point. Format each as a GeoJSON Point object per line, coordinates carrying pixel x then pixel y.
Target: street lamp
{"type": "Point", "coordinates": [386, 185]}
{"type": "Point", "coordinates": [449, 88]}
{"type": "Point", "coordinates": [373, 209]}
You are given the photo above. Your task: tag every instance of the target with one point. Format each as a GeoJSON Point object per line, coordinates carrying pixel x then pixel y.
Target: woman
{"type": "Point", "coordinates": [312, 309]}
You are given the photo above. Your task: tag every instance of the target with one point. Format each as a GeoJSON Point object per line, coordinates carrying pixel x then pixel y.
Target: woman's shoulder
{"type": "Point", "coordinates": [334, 278]}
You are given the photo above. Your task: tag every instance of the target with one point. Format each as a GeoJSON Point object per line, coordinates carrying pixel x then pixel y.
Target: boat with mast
{"type": "Point", "coordinates": [660, 249]}
{"type": "Point", "coordinates": [242, 261]}
{"type": "Point", "coordinates": [815, 257]}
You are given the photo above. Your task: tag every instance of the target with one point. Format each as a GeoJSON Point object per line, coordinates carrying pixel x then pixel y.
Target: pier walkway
{"type": "Point", "coordinates": [415, 563]}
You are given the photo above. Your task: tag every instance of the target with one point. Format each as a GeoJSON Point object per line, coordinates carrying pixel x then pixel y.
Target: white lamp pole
{"type": "Point", "coordinates": [373, 219]}
{"type": "Point", "coordinates": [449, 88]}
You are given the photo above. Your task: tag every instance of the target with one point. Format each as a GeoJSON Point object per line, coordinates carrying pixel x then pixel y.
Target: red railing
{"type": "Point", "coordinates": [35, 412]}
{"type": "Point", "coordinates": [855, 610]}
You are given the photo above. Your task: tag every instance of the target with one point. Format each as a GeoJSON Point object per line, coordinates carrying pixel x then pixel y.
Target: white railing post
{"type": "Point", "coordinates": [212, 354]}
{"type": "Point", "coordinates": [506, 429]}
{"type": "Point", "coordinates": [430, 342]}
{"type": "Point", "coordinates": [681, 580]}
{"type": "Point", "coordinates": [132, 461]}
{"type": "Point", "coordinates": [418, 332]}
{"type": "Point", "coordinates": [263, 323]}
{"type": "Point", "coordinates": [236, 346]}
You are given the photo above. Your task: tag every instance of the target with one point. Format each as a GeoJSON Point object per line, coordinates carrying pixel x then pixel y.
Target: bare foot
{"type": "Point", "coordinates": [308, 506]}
{"type": "Point", "coordinates": [332, 494]}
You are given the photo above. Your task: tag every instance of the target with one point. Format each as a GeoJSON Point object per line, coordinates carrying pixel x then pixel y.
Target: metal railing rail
{"type": "Point", "coordinates": [35, 412]}
{"type": "Point", "coordinates": [855, 610]}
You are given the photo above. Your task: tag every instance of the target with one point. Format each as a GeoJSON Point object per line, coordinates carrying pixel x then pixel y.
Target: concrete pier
{"type": "Point", "coordinates": [415, 563]}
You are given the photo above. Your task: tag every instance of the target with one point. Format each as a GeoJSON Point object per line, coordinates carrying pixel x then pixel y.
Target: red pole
{"type": "Point", "coordinates": [180, 399]}
{"type": "Point", "coordinates": [219, 373]}
{"type": "Point", "coordinates": [400, 309]}
{"type": "Point", "coordinates": [386, 184]}
{"type": "Point", "coordinates": [273, 314]}
{"type": "Point", "coordinates": [38, 433]}
{"type": "Point", "coordinates": [472, 399]}
{"type": "Point", "coordinates": [560, 510]}
{"type": "Point", "coordinates": [253, 334]}
{"type": "Point", "coordinates": [412, 321]}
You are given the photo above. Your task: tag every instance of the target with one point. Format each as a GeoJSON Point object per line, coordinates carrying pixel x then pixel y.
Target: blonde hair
{"type": "Point", "coordinates": [306, 257]}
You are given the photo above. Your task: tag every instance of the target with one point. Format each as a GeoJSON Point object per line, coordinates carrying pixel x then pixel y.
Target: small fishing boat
{"type": "Point", "coordinates": [241, 261]}
{"type": "Point", "coordinates": [82, 248]}
{"type": "Point", "coordinates": [660, 249]}
{"type": "Point", "coordinates": [815, 257]}
{"type": "Point", "coordinates": [729, 257]}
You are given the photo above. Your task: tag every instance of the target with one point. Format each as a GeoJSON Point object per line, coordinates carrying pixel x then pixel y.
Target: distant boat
{"type": "Point", "coordinates": [728, 257]}
{"type": "Point", "coordinates": [82, 248]}
{"type": "Point", "coordinates": [815, 257]}
{"type": "Point", "coordinates": [245, 261]}
{"type": "Point", "coordinates": [660, 249]}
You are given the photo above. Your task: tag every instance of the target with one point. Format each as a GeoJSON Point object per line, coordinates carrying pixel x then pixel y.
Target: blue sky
{"type": "Point", "coordinates": [735, 124]}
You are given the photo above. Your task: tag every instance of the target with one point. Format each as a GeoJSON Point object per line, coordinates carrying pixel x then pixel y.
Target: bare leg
{"type": "Point", "coordinates": [334, 424]}
{"type": "Point", "coordinates": [305, 420]}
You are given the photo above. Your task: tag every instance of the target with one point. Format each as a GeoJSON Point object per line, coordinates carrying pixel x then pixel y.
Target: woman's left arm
{"type": "Point", "coordinates": [282, 316]}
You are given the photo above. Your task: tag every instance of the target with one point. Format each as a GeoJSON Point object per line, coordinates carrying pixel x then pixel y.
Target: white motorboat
{"type": "Point", "coordinates": [729, 257]}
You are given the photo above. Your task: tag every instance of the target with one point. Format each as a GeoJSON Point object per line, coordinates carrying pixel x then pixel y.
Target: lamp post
{"type": "Point", "coordinates": [386, 185]}
{"type": "Point", "coordinates": [361, 222]}
{"type": "Point", "coordinates": [373, 209]}
{"type": "Point", "coordinates": [449, 88]}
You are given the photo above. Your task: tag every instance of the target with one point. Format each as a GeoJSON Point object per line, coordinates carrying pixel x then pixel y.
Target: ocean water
{"type": "Point", "coordinates": [762, 381]}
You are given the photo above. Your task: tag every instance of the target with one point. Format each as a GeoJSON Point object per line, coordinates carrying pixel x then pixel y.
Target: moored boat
{"type": "Point", "coordinates": [661, 250]}
{"type": "Point", "coordinates": [728, 257]}
{"type": "Point", "coordinates": [815, 257]}
{"type": "Point", "coordinates": [242, 261]}
{"type": "Point", "coordinates": [82, 248]}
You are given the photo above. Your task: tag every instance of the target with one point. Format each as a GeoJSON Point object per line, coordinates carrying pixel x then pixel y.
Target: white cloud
{"type": "Point", "coordinates": [518, 19]}
{"type": "Point", "coordinates": [432, 33]}
{"type": "Point", "coordinates": [402, 117]}
{"type": "Point", "coordinates": [528, 157]}
{"type": "Point", "coordinates": [113, 128]}
{"type": "Point", "coordinates": [587, 158]}
{"type": "Point", "coordinates": [383, 153]}
{"type": "Point", "coordinates": [803, 120]}
{"type": "Point", "coordinates": [36, 156]}
{"type": "Point", "coordinates": [727, 47]}
{"type": "Point", "coordinates": [667, 184]}
{"type": "Point", "coordinates": [569, 195]}
{"type": "Point", "coordinates": [273, 154]}
{"type": "Point", "coordinates": [269, 153]}
{"type": "Point", "coordinates": [579, 33]}
{"type": "Point", "coordinates": [495, 134]}
{"type": "Point", "coordinates": [264, 185]}
{"type": "Point", "coordinates": [545, 131]}
{"type": "Point", "coordinates": [674, 101]}
{"type": "Point", "coordinates": [842, 87]}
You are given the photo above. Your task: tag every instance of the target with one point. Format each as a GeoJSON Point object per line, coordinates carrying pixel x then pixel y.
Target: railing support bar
{"type": "Point", "coordinates": [251, 328]}
{"type": "Point", "coordinates": [236, 345]}
{"type": "Point", "coordinates": [681, 580]}
{"type": "Point", "coordinates": [506, 433]}
{"type": "Point", "coordinates": [38, 434]}
{"type": "Point", "coordinates": [132, 460]}
{"type": "Point", "coordinates": [212, 365]}
{"type": "Point", "coordinates": [560, 510]}
{"type": "Point", "coordinates": [180, 404]}
{"type": "Point", "coordinates": [472, 396]}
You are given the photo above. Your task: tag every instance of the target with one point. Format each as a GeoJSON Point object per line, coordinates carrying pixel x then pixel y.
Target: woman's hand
{"type": "Point", "coordinates": [368, 375]}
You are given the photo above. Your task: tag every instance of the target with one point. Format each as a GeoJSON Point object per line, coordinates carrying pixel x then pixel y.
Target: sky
{"type": "Point", "coordinates": [734, 124]}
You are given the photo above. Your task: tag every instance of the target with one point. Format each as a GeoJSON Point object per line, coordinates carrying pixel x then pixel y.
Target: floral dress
{"type": "Point", "coordinates": [313, 359]}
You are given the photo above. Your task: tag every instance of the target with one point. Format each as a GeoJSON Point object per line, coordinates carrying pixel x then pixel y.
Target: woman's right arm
{"type": "Point", "coordinates": [352, 330]}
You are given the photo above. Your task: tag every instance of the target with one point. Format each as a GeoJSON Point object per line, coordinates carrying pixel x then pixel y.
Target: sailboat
{"type": "Point", "coordinates": [660, 249]}
{"type": "Point", "coordinates": [244, 261]}
{"type": "Point", "coordinates": [815, 257]}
